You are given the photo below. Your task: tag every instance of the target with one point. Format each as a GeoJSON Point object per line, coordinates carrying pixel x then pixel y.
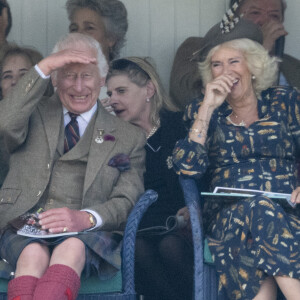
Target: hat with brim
{"type": "Point", "coordinates": [216, 36]}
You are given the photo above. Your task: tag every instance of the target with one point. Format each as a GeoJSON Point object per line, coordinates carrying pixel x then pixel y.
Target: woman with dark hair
{"type": "Point", "coordinates": [104, 20]}
{"type": "Point", "coordinates": [15, 62]}
{"type": "Point", "coordinates": [164, 263]}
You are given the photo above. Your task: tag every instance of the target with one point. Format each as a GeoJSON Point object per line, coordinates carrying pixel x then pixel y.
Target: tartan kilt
{"type": "Point", "coordinates": [103, 251]}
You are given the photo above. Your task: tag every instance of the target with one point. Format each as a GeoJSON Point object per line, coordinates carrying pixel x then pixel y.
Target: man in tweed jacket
{"type": "Point", "coordinates": [83, 190]}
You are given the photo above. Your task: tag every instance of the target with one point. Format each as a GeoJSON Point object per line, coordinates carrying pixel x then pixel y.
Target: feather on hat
{"type": "Point", "coordinates": [230, 28]}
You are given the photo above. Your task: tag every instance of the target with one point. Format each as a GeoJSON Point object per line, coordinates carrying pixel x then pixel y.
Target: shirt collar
{"type": "Point", "coordinates": [86, 116]}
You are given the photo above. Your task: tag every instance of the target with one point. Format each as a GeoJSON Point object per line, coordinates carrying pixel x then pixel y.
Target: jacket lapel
{"type": "Point", "coordinates": [99, 151]}
{"type": "Point", "coordinates": [51, 112]}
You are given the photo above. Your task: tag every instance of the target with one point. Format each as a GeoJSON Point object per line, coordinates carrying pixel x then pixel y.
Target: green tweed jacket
{"type": "Point", "coordinates": [30, 125]}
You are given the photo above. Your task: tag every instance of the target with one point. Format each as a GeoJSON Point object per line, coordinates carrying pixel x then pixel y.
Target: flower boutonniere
{"type": "Point", "coordinates": [120, 161]}
{"type": "Point", "coordinates": [108, 137]}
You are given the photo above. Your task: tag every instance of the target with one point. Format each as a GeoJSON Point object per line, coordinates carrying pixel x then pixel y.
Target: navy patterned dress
{"type": "Point", "coordinates": [251, 238]}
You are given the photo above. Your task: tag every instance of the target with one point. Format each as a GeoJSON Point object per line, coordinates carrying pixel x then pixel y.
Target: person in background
{"type": "Point", "coordinates": [246, 134]}
{"type": "Point", "coordinates": [104, 20]}
{"type": "Point", "coordinates": [185, 81]}
{"type": "Point", "coordinates": [5, 25]}
{"type": "Point", "coordinates": [269, 15]}
{"type": "Point", "coordinates": [16, 61]}
{"type": "Point", "coordinates": [65, 159]}
{"type": "Point", "coordinates": [164, 264]}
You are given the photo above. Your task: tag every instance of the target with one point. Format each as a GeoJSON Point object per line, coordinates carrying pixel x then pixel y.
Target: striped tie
{"type": "Point", "coordinates": [71, 133]}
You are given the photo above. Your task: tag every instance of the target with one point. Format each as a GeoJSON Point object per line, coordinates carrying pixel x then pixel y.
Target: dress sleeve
{"type": "Point", "coordinates": [190, 158]}
{"type": "Point", "coordinates": [294, 118]}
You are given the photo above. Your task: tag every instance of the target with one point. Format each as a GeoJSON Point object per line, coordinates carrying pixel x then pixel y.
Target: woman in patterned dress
{"type": "Point", "coordinates": [246, 134]}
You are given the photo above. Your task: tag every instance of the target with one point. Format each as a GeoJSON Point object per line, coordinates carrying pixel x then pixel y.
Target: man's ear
{"type": "Point", "coordinates": [150, 89]}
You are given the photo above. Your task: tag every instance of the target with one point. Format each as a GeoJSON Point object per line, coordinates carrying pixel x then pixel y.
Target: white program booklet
{"type": "Point", "coordinates": [33, 231]}
{"type": "Point", "coordinates": [231, 194]}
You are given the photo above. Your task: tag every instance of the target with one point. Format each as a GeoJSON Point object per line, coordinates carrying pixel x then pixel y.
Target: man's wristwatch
{"type": "Point", "coordinates": [92, 220]}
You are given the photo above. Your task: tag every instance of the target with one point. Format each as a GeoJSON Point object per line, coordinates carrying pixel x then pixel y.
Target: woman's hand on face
{"type": "Point", "coordinates": [295, 197]}
{"type": "Point", "coordinates": [57, 220]}
{"type": "Point", "coordinates": [217, 90]}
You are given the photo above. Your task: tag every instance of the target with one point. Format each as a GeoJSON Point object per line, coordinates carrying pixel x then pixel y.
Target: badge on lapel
{"type": "Point", "coordinates": [101, 137]}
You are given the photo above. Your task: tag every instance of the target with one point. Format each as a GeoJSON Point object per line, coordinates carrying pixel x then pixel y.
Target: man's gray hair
{"type": "Point", "coordinates": [114, 16]}
{"type": "Point", "coordinates": [81, 41]}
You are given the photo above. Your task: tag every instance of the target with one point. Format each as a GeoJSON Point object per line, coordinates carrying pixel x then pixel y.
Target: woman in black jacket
{"type": "Point", "coordinates": [164, 263]}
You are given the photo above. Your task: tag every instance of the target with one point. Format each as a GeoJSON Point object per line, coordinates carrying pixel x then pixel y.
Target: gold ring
{"type": "Point", "coordinates": [65, 229]}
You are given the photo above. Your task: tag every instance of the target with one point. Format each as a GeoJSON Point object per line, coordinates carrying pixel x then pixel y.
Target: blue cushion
{"type": "Point", "coordinates": [93, 285]}
{"type": "Point", "coordinates": [3, 285]}
{"type": "Point", "coordinates": [207, 254]}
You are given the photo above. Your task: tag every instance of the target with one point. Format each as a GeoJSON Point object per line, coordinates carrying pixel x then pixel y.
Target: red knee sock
{"type": "Point", "coordinates": [60, 282]}
{"type": "Point", "coordinates": [21, 288]}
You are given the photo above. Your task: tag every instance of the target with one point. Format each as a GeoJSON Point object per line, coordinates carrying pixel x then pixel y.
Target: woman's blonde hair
{"type": "Point", "coordinates": [139, 70]}
{"type": "Point", "coordinates": [259, 62]}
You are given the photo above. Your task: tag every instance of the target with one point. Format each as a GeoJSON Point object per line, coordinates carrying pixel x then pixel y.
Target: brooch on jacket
{"type": "Point", "coordinates": [120, 161]}
{"type": "Point", "coordinates": [101, 137]}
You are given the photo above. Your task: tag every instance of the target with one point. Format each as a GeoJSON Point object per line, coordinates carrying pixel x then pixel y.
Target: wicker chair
{"type": "Point", "coordinates": [205, 280]}
{"type": "Point", "coordinates": [121, 286]}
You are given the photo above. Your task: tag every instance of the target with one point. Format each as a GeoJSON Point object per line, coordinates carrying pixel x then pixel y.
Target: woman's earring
{"type": "Point", "coordinates": [253, 77]}
{"type": "Point", "coordinates": [147, 100]}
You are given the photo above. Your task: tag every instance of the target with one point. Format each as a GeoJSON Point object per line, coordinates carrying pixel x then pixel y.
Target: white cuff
{"type": "Point", "coordinates": [41, 72]}
{"type": "Point", "coordinates": [97, 217]}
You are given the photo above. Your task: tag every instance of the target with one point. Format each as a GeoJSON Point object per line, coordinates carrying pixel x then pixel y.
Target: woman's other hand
{"type": "Point", "coordinates": [295, 197]}
{"type": "Point", "coordinates": [184, 212]}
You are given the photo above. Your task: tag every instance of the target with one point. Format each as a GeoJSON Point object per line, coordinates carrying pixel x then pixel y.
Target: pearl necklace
{"type": "Point", "coordinates": [153, 130]}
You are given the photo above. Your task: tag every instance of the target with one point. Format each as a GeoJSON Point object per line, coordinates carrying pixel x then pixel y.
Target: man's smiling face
{"type": "Point", "coordinates": [78, 86]}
